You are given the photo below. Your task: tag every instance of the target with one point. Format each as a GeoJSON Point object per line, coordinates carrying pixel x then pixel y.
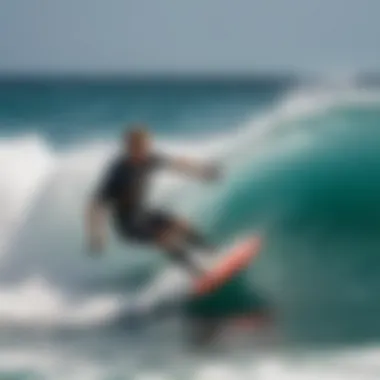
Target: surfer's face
{"type": "Point", "coordinates": [138, 145]}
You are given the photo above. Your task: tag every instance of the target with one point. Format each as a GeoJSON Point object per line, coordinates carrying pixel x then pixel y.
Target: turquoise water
{"type": "Point", "coordinates": [301, 168]}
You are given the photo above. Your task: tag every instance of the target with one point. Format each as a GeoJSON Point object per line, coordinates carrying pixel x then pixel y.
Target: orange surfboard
{"type": "Point", "coordinates": [237, 259]}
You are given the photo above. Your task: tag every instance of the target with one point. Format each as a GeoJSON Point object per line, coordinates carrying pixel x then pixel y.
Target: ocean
{"type": "Point", "coordinates": [300, 164]}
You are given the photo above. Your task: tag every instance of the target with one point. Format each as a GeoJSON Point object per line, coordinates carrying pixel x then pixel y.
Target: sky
{"type": "Point", "coordinates": [188, 36]}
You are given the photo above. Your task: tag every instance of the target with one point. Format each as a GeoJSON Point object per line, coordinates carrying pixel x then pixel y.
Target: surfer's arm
{"type": "Point", "coordinates": [97, 211]}
{"type": "Point", "coordinates": [194, 168]}
{"type": "Point", "coordinates": [96, 228]}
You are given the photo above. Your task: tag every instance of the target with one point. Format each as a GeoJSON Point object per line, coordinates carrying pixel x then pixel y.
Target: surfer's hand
{"type": "Point", "coordinates": [95, 246]}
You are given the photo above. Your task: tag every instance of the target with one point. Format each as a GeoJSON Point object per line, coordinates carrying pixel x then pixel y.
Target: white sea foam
{"type": "Point", "coordinates": [60, 363]}
{"type": "Point", "coordinates": [35, 302]}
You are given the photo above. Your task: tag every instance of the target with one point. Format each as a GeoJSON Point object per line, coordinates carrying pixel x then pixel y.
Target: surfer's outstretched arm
{"type": "Point", "coordinates": [194, 168]}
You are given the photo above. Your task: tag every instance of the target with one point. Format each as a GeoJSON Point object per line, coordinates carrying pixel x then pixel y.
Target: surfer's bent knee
{"type": "Point", "coordinates": [182, 225]}
{"type": "Point", "coordinates": [166, 237]}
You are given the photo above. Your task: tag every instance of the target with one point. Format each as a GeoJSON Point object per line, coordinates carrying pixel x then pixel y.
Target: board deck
{"type": "Point", "coordinates": [237, 259]}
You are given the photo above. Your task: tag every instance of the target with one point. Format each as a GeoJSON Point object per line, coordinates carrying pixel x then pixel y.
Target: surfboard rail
{"type": "Point", "coordinates": [237, 259]}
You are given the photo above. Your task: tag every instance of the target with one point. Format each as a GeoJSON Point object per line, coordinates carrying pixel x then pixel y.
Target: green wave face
{"type": "Point", "coordinates": [318, 205]}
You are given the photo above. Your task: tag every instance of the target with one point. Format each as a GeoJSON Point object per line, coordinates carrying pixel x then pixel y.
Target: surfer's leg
{"type": "Point", "coordinates": [197, 239]}
{"type": "Point", "coordinates": [193, 236]}
{"type": "Point", "coordinates": [168, 239]}
{"type": "Point", "coordinates": [169, 235]}
{"type": "Point", "coordinates": [179, 255]}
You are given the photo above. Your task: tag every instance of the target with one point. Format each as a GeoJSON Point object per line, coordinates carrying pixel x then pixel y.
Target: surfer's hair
{"type": "Point", "coordinates": [136, 131]}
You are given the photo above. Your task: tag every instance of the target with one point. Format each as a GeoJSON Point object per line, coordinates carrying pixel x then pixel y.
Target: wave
{"type": "Point", "coordinates": [304, 173]}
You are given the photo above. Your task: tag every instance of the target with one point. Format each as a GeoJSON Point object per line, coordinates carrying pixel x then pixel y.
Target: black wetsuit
{"type": "Point", "coordinates": [124, 188]}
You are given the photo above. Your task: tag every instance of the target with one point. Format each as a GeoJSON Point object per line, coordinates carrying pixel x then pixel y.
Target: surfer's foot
{"type": "Point", "coordinates": [181, 257]}
{"type": "Point", "coordinates": [196, 270]}
{"type": "Point", "coordinates": [211, 251]}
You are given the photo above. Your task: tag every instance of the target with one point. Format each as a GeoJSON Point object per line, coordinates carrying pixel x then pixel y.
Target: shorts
{"type": "Point", "coordinates": [144, 226]}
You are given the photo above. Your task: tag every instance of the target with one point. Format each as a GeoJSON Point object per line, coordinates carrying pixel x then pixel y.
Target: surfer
{"type": "Point", "coordinates": [123, 191]}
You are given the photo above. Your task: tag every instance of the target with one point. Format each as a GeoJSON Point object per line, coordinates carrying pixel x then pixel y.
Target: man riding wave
{"type": "Point", "coordinates": [123, 191]}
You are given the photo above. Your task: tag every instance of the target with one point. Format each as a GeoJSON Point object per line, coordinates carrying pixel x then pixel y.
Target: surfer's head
{"type": "Point", "coordinates": [137, 142]}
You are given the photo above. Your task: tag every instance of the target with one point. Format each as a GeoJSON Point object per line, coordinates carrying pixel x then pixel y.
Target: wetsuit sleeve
{"type": "Point", "coordinates": [107, 188]}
